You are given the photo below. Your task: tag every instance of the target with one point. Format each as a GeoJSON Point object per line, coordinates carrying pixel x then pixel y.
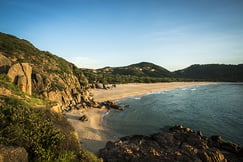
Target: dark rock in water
{"type": "Point", "coordinates": [178, 144]}
{"type": "Point", "coordinates": [13, 154]}
{"type": "Point", "coordinates": [83, 118]}
{"type": "Point", "coordinates": [217, 141]}
{"type": "Point", "coordinates": [111, 105]}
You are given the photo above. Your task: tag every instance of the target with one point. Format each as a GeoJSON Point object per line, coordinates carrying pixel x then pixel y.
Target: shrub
{"type": "Point", "coordinates": [45, 135]}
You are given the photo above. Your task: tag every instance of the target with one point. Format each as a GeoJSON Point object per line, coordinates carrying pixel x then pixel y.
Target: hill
{"type": "Point", "coordinates": [212, 72]}
{"type": "Point", "coordinates": [42, 73]}
{"type": "Point", "coordinates": [143, 69]}
{"type": "Point", "coordinates": [34, 86]}
{"type": "Point", "coordinates": [143, 72]}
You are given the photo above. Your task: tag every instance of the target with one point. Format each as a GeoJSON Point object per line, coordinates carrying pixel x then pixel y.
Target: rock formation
{"type": "Point", "coordinates": [179, 144]}
{"type": "Point", "coordinates": [20, 74]}
{"type": "Point", "coordinates": [13, 154]}
{"type": "Point", "coordinates": [5, 63]}
{"type": "Point", "coordinates": [44, 74]}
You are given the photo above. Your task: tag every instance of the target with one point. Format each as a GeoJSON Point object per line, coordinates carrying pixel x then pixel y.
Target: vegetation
{"type": "Point", "coordinates": [212, 72]}
{"type": "Point", "coordinates": [150, 73]}
{"type": "Point", "coordinates": [26, 120]}
{"type": "Point", "coordinates": [120, 79]}
{"type": "Point", "coordinates": [47, 136]}
{"type": "Point", "coordinates": [50, 66]}
{"type": "Point", "coordinates": [137, 73]}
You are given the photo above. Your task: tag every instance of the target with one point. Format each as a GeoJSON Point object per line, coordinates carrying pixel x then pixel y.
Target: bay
{"type": "Point", "coordinates": [215, 109]}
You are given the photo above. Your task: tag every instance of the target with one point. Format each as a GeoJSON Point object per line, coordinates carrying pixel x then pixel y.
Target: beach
{"type": "Point", "coordinates": [92, 134]}
{"type": "Point", "coordinates": [136, 89]}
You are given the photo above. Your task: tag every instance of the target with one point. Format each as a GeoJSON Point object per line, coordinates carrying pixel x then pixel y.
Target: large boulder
{"type": "Point", "coordinates": [20, 74]}
{"type": "Point", "coordinates": [5, 64]}
{"type": "Point", "coordinates": [13, 154]}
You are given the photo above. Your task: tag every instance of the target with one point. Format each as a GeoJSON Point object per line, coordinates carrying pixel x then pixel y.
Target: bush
{"type": "Point", "coordinates": [45, 135]}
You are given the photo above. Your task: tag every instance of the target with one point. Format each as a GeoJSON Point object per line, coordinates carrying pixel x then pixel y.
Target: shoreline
{"type": "Point", "coordinates": [93, 135]}
{"type": "Point", "coordinates": [136, 89]}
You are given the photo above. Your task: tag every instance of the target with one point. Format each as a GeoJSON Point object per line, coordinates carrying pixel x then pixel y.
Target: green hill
{"type": "Point", "coordinates": [143, 69]}
{"type": "Point", "coordinates": [34, 86]}
{"type": "Point", "coordinates": [51, 76]}
{"type": "Point", "coordinates": [212, 72]}
{"type": "Point", "coordinates": [143, 72]}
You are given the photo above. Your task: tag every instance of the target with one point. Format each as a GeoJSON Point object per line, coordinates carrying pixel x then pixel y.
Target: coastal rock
{"type": "Point", "coordinates": [178, 144]}
{"type": "Point", "coordinates": [111, 105]}
{"type": "Point", "coordinates": [20, 74]}
{"type": "Point", "coordinates": [13, 154]}
{"type": "Point", "coordinates": [217, 141]}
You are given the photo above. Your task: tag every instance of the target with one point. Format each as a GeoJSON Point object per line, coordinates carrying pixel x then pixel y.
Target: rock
{"type": "Point", "coordinates": [179, 144]}
{"type": "Point", "coordinates": [20, 74]}
{"type": "Point", "coordinates": [38, 82]}
{"type": "Point", "coordinates": [98, 85]}
{"type": "Point", "coordinates": [13, 154]}
{"type": "Point", "coordinates": [231, 147]}
{"type": "Point", "coordinates": [212, 156]}
{"type": "Point", "coordinates": [200, 133]}
{"type": "Point", "coordinates": [5, 64]}
{"type": "Point", "coordinates": [83, 118]}
{"type": "Point", "coordinates": [113, 105]}
{"type": "Point", "coordinates": [56, 108]}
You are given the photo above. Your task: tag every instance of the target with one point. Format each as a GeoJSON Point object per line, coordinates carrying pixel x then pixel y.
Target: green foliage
{"type": "Point", "coordinates": [137, 73]}
{"type": "Point", "coordinates": [120, 79]}
{"type": "Point", "coordinates": [42, 62]}
{"type": "Point", "coordinates": [143, 69]}
{"type": "Point", "coordinates": [68, 156]}
{"type": "Point", "coordinates": [44, 134]}
{"type": "Point", "coordinates": [5, 82]}
{"type": "Point", "coordinates": [86, 156]}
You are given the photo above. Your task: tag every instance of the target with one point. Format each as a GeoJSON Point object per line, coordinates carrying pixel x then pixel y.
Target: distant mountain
{"type": "Point", "coordinates": [143, 69]}
{"type": "Point", "coordinates": [143, 72]}
{"type": "Point", "coordinates": [212, 72]}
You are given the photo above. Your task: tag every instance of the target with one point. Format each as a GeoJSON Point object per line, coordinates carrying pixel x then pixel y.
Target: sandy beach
{"type": "Point", "coordinates": [135, 89]}
{"type": "Point", "coordinates": [91, 133]}
{"type": "Point", "coordinates": [93, 136]}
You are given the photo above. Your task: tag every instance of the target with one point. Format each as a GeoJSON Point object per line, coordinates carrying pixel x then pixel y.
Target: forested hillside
{"type": "Point", "coordinates": [212, 72]}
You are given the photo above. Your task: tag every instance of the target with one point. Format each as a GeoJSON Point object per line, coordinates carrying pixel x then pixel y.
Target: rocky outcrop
{"type": "Point", "coordinates": [5, 63]}
{"type": "Point", "coordinates": [20, 74]}
{"type": "Point", "coordinates": [13, 154]}
{"type": "Point", "coordinates": [44, 74]}
{"type": "Point", "coordinates": [68, 91]}
{"type": "Point", "coordinates": [178, 144]}
{"type": "Point", "coordinates": [111, 105]}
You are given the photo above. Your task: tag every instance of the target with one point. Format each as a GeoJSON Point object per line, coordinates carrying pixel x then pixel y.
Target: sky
{"type": "Point", "coordinates": [97, 33]}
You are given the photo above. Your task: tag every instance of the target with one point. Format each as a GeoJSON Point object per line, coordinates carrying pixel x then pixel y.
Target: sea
{"type": "Point", "coordinates": [214, 109]}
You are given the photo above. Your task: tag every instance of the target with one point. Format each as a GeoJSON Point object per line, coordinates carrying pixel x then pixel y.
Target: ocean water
{"type": "Point", "coordinates": [215, 109]}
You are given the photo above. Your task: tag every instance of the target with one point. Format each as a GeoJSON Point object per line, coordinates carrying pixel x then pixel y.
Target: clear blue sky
{"type": "Point", "coordinates": [97, 33]}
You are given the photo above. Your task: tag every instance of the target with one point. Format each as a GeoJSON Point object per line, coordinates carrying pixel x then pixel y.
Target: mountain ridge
{"type": "Point", "coordinates": [149, 72]}
{"type": "Point", "coordinates": [212, 72]}
{"type": "Point", "coordinates": [138, 69]}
